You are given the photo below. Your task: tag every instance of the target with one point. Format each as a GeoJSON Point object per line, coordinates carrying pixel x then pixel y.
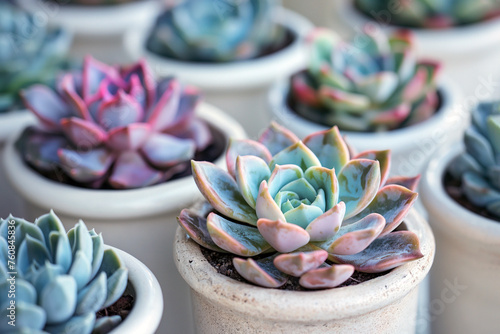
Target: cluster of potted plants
{"type": "Point", "coordinates": [308, 226]}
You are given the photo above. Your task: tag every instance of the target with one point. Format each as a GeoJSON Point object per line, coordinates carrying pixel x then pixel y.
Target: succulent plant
{"type": "Point", "coordinates": [56, 282]}
{"type": "Point", "coordinates": [478, 167]}
{"type": "Point", "coordinates": [29, 53]}
{"type": "Point", "coordinates": [110, 127]}
{"type": "Point", "coordinates": [373, 84]}
{"type": "Point", "coordinates": [299, 203]}
{"type": "Point", "coordinates": [93, 2]}
{"type": "Point", "coordinates": [434, 14]}
{"type": "Point", "coordinates": [216, 31]}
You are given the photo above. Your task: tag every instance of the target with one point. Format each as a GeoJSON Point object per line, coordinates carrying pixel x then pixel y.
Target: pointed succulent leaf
{"type": "Point", "coordinates": [276, 138]}
{"type": "Point", "coordinates": [359, 181]}
{"type": "Point", "coordinates": [97, 253]}
{"type": "Point", "coordinates": [106, 324]}
{"type": "Point", "coordinates": [46, 105]}
{"type": "Point", "coordinates": [384, 253]}
{"type": "Point", "coordinates": [131, 171]}
{"type": "Point", "coordinates": [409, 182]}
{"type": "Point", "coordinates": [241, 147]}
{"type": "Point", "coordinates": [384, 159]}
{"type": "Point", "coordinates": [479, 147]}
{"type": "Point", "coordinates": [462, 163]}
{"type": "Point", "coordinates": [297, 264]}
{"type": "Point", "coordinates": [265, 205]}
{"type": "Point", "coordinates": [379, 86]}
{"type": "Point", "coordinates": [120, 111]}
{"type": "Point", "coordinates": [165, 111]}
{"type": "Point", "coordinates": [297, 154]}
{"type": "Point", "coordinates": [478, 190]}
{"type": "Point", "coordinates": [493, 124]}
{"type": "Point", "coordinates": [326, 277]}
{"type": "Point", "coordinates": [36, 250]}
{"type": "Point", "coordinates": [329, 147]}
{"type": "Point", "coordinates": [250, 172]}
{"type": "Point", "coordinates": [81, 269]}
{"type": "Point", "coordinates": [261, 272]}
{"type": "Point", "coordinates": [393, 117]}
{"type": "Point", "coordinates": [222, 192]}
{"type": "Point", "coordinates": [92, 297]}
{"type": "Point", "coordinates": [49, 223]}
{"type": "Point", "coordinates": [44, 275]}
{"type": "Point", "coordinates": [29, 316]}
{"type": "Point", "coordinates": [281, 176]}
{"type": "Point", "coordinates": [195, 226]}
{"type": "Point", "coordinates": [83, 134]}
{"type": "Point", "coordinates": [85, 166]}
{"type": "Point", "coordinates": [325, 179]}
{"type": "Point", "coordinates": [414, 87]}
{"type": "Point", "coordinates": [93, 73]}
{"type": "Point", "coordinates": [130, 137]}
{"type": "Point", "coordinates": [80, 240]}
{"type": "Point", "coordinates": [342, 100]}
{"type": "Point", "coordinates": [76, 325]}
{"type": "Point", "coordinates": [325, 226]}
{"type": "Point", "coordinates": [282, 236]}
{"type": "Point", "coordinates": [355, 237]}
{"type": "Point", "coordinates": [236, 238]}
{"type": "Point", "coordinates": [303, 90]}
{"type": "Point", "coordinates": [143, 73]}
{"type": "Point", "coordinates": [117, 275]}
{"type": "Point", "coordinates": [303, 215]}
{"type": "Point", "coordinates": [163, 150]}
{"type": "Point", "coordinates": [69, 94]}
{"type": "Point", "coordinates": [58, 299]}
{"type": "Point", "coordinates": [24, 292]}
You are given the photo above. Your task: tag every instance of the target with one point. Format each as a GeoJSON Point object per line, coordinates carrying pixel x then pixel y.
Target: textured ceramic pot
{"type": "Point", "coordinates": [141, 221]}
{"type": "Point", "coordinates": [470, 53]}
{"type": "Point", "coordinates": [465, 285]}
{"type": "Point", "coordinates": [239, 88]}
{"type": "Point", "coordinates": [386, 304]}
{"type": "Point", "coordinates": [411, 147]}
{"type": "Point", "coordinates": [10, 124]}
{"type": "Point", "coordinates": [147, 310]}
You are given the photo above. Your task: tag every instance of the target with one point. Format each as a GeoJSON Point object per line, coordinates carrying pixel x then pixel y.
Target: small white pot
{"type": "Point", "coordinates": [411, 147]}
{"type": "Point", "coordinates": [147, 309]}
{"type": "Point", "coordinates": [386, 304]}
{"type": "Point", "coordinates": [238, 88]}
{"type": "Point", "coordinates": [470, 53]}
{"type": "Point", "coordinates": [142, 221]}
{"type": "Point", "coordinates": [465, 285]}
{"type": "Point", "coordinates": [10, 124]}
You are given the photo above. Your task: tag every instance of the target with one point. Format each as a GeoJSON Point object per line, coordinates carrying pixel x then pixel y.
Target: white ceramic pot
{"type": "Point", "coordinates": [147, 310]}
{"type": "Point", "coordinates": [10, 124]}
{"type": "Point", "coordinates": [238, 88]}
{"type": "Point", "coordinates": [386, 304]}
{"type": "Point", "coordinates": [469, 53]}
{"type": "Point", "coordinates": [465, 285]}
{"type": "Point", "coordinates": [142, 221]}
{"type": "Point", "coordinates": [97, 30]}
{"type": "Point", "coordinates": [411, 147]}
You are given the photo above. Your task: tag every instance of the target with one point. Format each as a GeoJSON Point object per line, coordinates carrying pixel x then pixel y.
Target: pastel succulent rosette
{"type": "Point", "coordinates": [61, 279]}
{"type": "Point", "coordinates": [113, 127]}
{"type": "Point", "coordinates": [296, 203]}
{"type": "Point", "coordinates": [478, 167]}
{"type": "Point", "coordinates": [216, 31]}
{"type": "Point", "coordinates": [374, 83]}
{"type": "Point", "coordinates": [431, 14]}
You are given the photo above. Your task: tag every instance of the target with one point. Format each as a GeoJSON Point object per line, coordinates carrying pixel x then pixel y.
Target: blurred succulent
{"type": "Point", "coordinates": [61, 280]}
{"type": "Point", "coordinates": [434, 14]}
{"type": "Point", "coordinates": [29, 53]}
{"type": "Point", "coordinates": [478, 167]}
{"type": "Point", "coordinates": [110, 127]}
{"type": "Point", "coordinates": [216, 31]}
{"type": "Point", "coordinates": [93, 2]}
{"type": "Point", "coordinates": [299, 203]}
{"type": "Point", "coordinates": [374, 84]}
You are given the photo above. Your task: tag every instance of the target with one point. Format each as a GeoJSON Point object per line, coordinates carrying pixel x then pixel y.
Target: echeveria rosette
{"type": "Point", "coordinates": [216, 31]}
{"type": "Point", "coordinates": [299, 203]}
{"type": "Point", "coordinates": [434, 14]}
{"type": "Point", "coordinates": [29, 53]}
{"type": "Point", "coordinates": [478, 167]}
{"type": "Point", "coordinates": [61, 279]}
{"type": "Point", "coordinates": [113, 127]}
{"type": "Point", "coordinates": [373, 84]}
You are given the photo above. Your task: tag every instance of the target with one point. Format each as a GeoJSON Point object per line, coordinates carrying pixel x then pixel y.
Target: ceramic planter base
{"type": "Point", "coordinates": [386, 304]}
{"type": "Point", "coordinates": [465, 286]}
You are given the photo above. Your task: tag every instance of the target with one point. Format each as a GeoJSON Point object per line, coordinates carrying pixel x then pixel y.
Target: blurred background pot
{"type": "Point", "coordinates": [386, 304]}
{"type": "Point", "coordinates": [238, 87]}
{"type": "Point", "coordinates": [465, 289]}
{"type": "Point", "coordinates": [140, 221]}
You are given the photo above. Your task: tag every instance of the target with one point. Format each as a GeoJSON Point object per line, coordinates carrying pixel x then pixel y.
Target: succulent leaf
{"type": "Point", "coordinates": [261, 272]}
{"type": "Point", "coordinates": [326, 277]}
{"type": "Point", "coordinates": [297, 264]}
{"type": "Point", "coordinates": [282, 236]}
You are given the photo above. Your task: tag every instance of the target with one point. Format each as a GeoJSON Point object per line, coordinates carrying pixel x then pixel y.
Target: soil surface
{"type": "Point", "coordinates": [223, 263]}
{"type": "Point", "coordinates": [122, 307]}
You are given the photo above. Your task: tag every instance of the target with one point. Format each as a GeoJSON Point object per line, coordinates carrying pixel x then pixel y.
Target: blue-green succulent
{"type": "Point", "coordinates": [53, 281]}
{"type": "Point", "coordinates": [216, 31]}
{"type": "Point", "coordinates": [30, 53]}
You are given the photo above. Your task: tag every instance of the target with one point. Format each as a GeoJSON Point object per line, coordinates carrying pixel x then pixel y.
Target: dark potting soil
{"type": "Point", "coordinates": [121, 307]}
{"type": "Point", "coordinates": [453, 187]}
{"type": "Point", "coordinates": [223, 263]}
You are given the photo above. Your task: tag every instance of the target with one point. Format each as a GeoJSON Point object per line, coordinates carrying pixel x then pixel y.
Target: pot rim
{"type": "Point", "coordinates": [478, 36]}
{"type": "Point", "coordinates": [450, 216]}
{"type": "Point", "coordinates": [398, 139]}
{"type": "Point", "coordinates": [113, 204]}
{"type": "Point", "coordinates": [256, 72]}
{"type": "Point", "coordinates": [12, 121]}
{"type": "Point", "coordinates": [297, 306]}
{"type": "Point", "coordinates": [147, 310]}
{"type": "Point", "coordinates": [106, 20]}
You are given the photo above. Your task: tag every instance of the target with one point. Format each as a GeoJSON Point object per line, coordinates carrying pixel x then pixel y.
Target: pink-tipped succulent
{"type": "Point", "coordinates": [113, 127]}
{"type": "Point", "coordinates": [300, 203]}
{"type": "Point", "coordinates": [372, 84]}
